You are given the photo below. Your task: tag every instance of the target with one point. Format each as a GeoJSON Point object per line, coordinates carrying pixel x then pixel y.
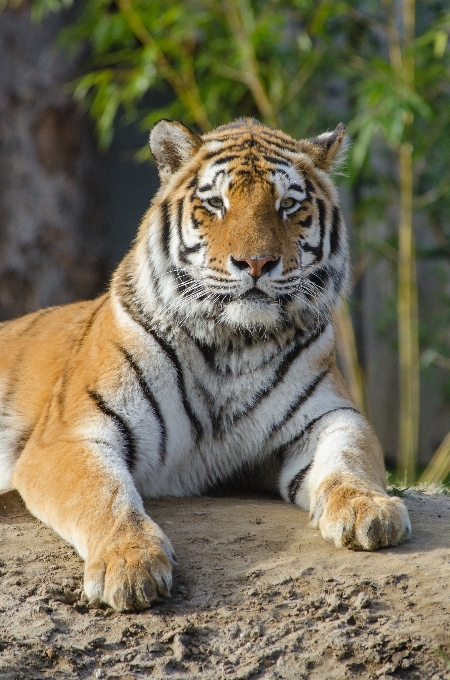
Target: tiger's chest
{"type": "Point", "coordinates": [216, 414]}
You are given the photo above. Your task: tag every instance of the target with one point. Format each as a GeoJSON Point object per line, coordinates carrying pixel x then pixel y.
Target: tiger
{"type": "Point", "coordinates": [209, 360]}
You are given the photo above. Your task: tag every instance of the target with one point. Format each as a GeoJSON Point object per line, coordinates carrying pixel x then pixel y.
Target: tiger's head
{"type": "Point", "coordinates": [245, 230]}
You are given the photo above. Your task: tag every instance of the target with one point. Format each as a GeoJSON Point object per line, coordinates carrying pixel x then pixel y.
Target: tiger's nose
{"type": "Point", "coordinates": [256, 265]}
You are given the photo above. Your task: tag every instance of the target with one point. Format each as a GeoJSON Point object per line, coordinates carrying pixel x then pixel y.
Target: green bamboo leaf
{"type": "Point", "coordinates": [440, 43]}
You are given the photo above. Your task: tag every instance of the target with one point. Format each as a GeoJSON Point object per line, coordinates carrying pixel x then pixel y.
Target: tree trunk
{"type": "Point", "coordinates": [52, 237]}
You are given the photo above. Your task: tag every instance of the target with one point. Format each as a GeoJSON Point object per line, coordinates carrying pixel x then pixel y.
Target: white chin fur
{"type": "Point", "coordinates": [248, 314]}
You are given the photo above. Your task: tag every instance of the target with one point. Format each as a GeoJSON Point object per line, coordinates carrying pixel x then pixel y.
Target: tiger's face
{"type": "Point", "coordinates": [249, 231]}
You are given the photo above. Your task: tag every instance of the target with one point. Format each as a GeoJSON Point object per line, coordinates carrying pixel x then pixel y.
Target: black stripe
{"type": "Point", "coordinates": [171, 356]}
{"type": "Point", "coordinates": [296, 187]}
{"type": "Point", "coordinates": [277, 161]}
{"type": "Point", "coordinates": [295, 484]}
{"type": "Point", "coordinates": [301, 399]}
{"type": "Point", "coordinates": [208, 352]}
{"type": "Point", "coordinates": [76, 348]}
{"type": "Point", "coordinates": [193, 249]}
{"type": "Point", "coordinates": [23, 440]}
{"type": "Point", "coordinates": [338, 278]}
{"type": "Point", "coordinates": [180, 206]}
{"type": "Point", "coordinates": [165, 218]}
{"type": "Point", "coordinates": [278, 142]}
{"type": "Point", "coordinates": [282, 370]}
{"type": "Point", "coordinates": [183, 279]}
{"type": "Point", "coordinates": [334, 233]}
{"type": "Point", "coordinates": [306, 222]}
{"type": "Point", "coordinates": [232, 143]}
{"type": "Point", "coordinates": [321, 206]}
{"type": "Point", "coordinates": [150, 397]}
{"type": "Point", "coordinates": [307, 248]}
{"type": "Point", "coordinates": [281, 450]}
{"type": "Point", "coordinates": [253, 172]}
{"type": "Point", "coordinates": [217, 278]}
{"type": "Point", "coordinates": [125, 431]}
{"type": "Point", "coordinates": [208, 187]}
{"type": "Point", "coordinates": [225, 159]}
{"type": "Point", "coordinates": [193, 183]}
{"type": "Point", "coordinates": [88, 325]}
{"type": "Point", "coordinates": [320, 277]}
{"type": "Point", "coordinates": [182, 246]}
{"type": "Point", "coordinates": [137, 315]}
{"type": "Point", "coordinates": [317, 250]}
{"type": "Point", "coordinates": [230, 146]}
{"type": "Point", "coordinates": [36, 318]}
{"type": "Point", "coordinates": [183, 249]}
{"type": "Point", "coordinates": [309, 186]}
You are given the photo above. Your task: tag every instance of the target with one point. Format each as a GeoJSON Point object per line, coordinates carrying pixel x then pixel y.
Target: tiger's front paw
{"type": "Point", "coordinates": [131, 569]}
{"type": "Point", "coordinates": [359, 518]}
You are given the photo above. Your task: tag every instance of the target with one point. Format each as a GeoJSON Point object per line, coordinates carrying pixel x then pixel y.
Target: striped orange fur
{"type": "Point", "coordinates": [210, 359]}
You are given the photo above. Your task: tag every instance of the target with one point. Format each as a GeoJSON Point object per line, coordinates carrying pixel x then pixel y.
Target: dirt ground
{"type": "Point", "coordinates": [257, 594]}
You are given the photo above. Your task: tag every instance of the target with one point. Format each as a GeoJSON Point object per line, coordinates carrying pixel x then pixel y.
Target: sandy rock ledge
{"type": "Point", "coordinates": [257, 594]}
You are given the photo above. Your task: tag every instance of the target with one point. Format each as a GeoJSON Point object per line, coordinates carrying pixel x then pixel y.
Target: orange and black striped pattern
{"type": "Point", "coordinates": [210, 360]}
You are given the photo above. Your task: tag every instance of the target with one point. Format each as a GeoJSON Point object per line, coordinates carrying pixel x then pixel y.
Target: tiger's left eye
{"type": "Point", "coordinates": [287, 203]}
{"type": "Point", "coordinates": [215, 202]}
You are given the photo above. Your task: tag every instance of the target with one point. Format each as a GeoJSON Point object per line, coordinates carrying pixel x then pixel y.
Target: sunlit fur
{"type": "Point", "coordinates": [191, 372]}
{"type": "Point", "coordinates": [186, 263]}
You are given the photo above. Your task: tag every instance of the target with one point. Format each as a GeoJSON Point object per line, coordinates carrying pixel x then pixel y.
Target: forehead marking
{"type": "Point", "coordinates": [224, 160]}
{"type": "Point", "coordinates": [279, 142]}
{"type": "Point", "coordinates": [287, 179]}
{"type": "Point", "coordinates": [277, 161]}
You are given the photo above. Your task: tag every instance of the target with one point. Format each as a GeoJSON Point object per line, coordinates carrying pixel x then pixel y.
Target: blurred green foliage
{"type": "Point", "coordinates": [214, 60]}
{"type": "Point", "coordinates": [301, 65]}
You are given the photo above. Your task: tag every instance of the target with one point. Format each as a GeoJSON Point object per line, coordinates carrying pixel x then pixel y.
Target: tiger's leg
{"type": "Point", "coordinates": [337, 473]}
{"type": "Point", "coordinates": [83, 490]}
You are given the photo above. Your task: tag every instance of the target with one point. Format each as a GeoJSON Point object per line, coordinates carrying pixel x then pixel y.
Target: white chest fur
{"type": "Point", "coordinates": [217, 410]}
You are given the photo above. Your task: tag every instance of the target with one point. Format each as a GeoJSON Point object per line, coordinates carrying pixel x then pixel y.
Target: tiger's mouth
{"type": "Point", "coordinates": [254, 294]}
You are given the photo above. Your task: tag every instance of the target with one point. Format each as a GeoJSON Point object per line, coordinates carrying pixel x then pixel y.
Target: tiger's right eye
{"type": "Point", "coordinates": [288, 203]}
{"type": "Point", "coordinates": [215, 202]}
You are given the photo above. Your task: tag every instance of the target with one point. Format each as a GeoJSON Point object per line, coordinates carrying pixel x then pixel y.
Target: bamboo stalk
{"type": "Point", "coordinates": [407, 326]}
{"type": "Point", "coordinates": [407, 304]}
{"type": "Point", "coordinates": [395, 51]}
{"type": "Point", "coordinates": [439, 466]}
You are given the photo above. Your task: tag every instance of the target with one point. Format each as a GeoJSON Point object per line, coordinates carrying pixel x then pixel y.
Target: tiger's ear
{"type": "Point", "coordinates": [327, 151]}
{"type": "Point", "coordinates": [172, 145]}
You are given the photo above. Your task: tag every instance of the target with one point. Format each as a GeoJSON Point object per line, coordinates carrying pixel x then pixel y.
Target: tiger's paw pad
{"type": "Point", "coordinates": [362, 520]}
{"type": "Point", "coordinates": [129, 574]}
